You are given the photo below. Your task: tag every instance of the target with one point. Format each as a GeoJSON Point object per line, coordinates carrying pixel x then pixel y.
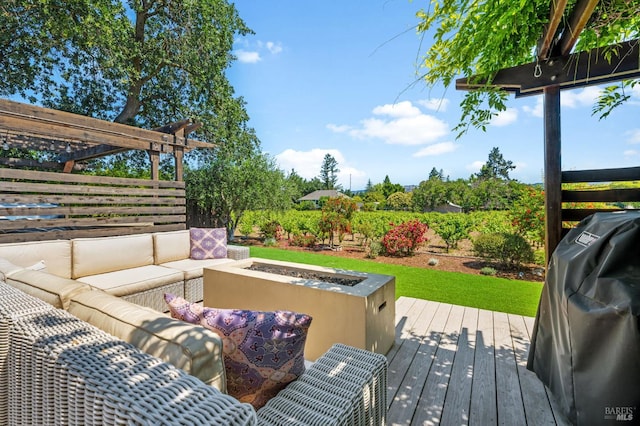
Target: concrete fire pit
{"type": "Point", "coordinates": [361, 315]}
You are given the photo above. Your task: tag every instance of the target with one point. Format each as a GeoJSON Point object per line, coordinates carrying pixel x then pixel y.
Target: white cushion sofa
{"type": "Point", "coordinates": [139, 268]}
{"type": "Point", "coordinates": [104, 360]}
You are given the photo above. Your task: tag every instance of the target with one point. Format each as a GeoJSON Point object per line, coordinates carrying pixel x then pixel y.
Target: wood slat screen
{"type": "Point", "coordinates": [615, 198]}
{"type": "Point", "coordinates": [37, 206]}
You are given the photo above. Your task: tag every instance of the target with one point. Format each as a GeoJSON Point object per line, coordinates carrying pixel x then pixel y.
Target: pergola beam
{"type": "Point", "coordinates": [556, 11]}
{"type": "Point", "coordinates": [576, 70]}
{"type": "Point", "coordinates": [577, 21]}
{"type": "Point", "coordinates": [22, 119]}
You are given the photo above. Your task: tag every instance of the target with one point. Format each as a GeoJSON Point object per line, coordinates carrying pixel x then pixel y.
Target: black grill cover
{"type": "Point", "coordinates": [586, 341]}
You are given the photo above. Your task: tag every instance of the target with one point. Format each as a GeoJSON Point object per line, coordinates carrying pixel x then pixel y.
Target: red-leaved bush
{"type": "Point", "coordinates": [405, 238]}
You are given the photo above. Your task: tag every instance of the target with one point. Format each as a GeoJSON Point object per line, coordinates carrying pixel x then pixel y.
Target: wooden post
{"type": "Point", "coordinates": [552, 170]}
{"type": "Point", "coordinates": [154, 157]}
{"type": "Point", "coordinates": [178, 156]}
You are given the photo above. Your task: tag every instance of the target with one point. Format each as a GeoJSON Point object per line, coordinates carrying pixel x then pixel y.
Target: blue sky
{"type": "Point", "coordinates": [339, 77]}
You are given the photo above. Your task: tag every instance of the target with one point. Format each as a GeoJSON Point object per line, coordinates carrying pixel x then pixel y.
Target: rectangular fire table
{"type": "Point", "coordinates": [361, 315]}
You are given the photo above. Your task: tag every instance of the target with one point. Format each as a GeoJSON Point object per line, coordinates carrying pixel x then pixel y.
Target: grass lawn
{"type": "Point", "coordinates": [494, 294]}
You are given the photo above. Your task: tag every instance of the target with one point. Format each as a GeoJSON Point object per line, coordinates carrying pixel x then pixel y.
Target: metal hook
{"type": "Point", "coordinates": [537, 72]}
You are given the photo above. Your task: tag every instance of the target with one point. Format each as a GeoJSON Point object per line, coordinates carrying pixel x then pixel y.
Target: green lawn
{"type": "Point", "coordinates": [494, 294]}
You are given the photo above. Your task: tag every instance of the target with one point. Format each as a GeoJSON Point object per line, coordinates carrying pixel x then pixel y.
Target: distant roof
{"type": "Point", "coordinates": [316, 195]}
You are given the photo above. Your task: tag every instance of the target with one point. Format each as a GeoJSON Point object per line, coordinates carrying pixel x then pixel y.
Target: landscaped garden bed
{"type": "Point", "coordinates": [459, 260]}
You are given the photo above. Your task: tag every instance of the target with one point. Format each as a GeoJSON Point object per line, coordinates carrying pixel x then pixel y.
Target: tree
{"type": "Point", "coordinates": [143, 62]}
{"type": "Point", "coordinates": [297, 183]}
{"type": "Point", "coordinates": [496, 166]}
{"type": "Point", "coordinates": [329, 172]}
{"type": "Point", "coordinates": [389, 188]}
{"type": "Point", "coordinates": [229, 185]}
{"type": "Point", "coordinates": [435, 174]}
{"type": "Point", "coordinates": [400, 201]}
{"type": "Point", "coordinates": [430, 194]}
{"type": "Point", "coordinates": [336, 217]}
{"type": "Point", "coordinates": [479, 38]}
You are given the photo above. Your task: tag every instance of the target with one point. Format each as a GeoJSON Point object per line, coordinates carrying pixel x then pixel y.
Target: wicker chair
{"type": "Point", "coordinates": [57, 369]}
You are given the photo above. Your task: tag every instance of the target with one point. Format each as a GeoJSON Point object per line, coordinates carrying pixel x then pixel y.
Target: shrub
{"type": "Point", "coordinates": [303, 240]}
{"type": "Point", "coordinates": [373, 250]}
{"type": "Point", "coordinates": [452, 227]}
{"type": "Point", "coordinates": [487, 270]}
{"type": "Point", "coordinates": [508, 249]}
{"type": "Point", "coordinates": [271, 229]}
{"type": "Point", "coordinates": [405, 238]}
{"type": "Point", "coordinates": [245, 228]}
{"type": "Point", "coordinates": [306, 205]}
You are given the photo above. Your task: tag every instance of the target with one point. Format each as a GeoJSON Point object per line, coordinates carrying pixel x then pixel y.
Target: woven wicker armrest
{"type": "Point", "coordinates": [346, 386]}
{"type": "Point", "coordinates": [237, 252]}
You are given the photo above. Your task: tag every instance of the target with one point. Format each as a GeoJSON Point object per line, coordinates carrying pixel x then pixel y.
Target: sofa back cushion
{"type": "Point", "coordinates": [191, 348]}
{"type": "Point", "coordinates": [52, 289]}
{"type": "Point", "coordinates": [92, 256]}
{"type": "Point", "coordinates": [56, 255]}
{"type": "Point", "coordinates": [171, 246]}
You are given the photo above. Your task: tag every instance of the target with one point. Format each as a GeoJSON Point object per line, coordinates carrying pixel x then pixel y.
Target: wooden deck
{"type": "Point", "coordinates": [455, 365]}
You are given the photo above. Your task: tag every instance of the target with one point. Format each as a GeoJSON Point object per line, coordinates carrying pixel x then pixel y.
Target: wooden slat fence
{"type": "Point", "coordinates": [617, 198]}
{"type": "Point", "coordinates": [37, 206]}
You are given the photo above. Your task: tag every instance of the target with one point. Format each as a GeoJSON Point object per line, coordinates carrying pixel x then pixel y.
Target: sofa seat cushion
{"type": "Point", "coordinates": [93, 256]}
{"type": "Point", "coordinates": [192, 348]}
{"type": "Point", "coordinates": [7, 268]}
{"type": "Point", "coordinates": [56, 254]}
{"type": "Point", "coordinates": [193, 268]}
{"type": "Point", "coordinates": [263, 351]}
{"type": "Point", "coordinates": [134, 280]}
{"type": "Point", "coordinates": [50, 288]}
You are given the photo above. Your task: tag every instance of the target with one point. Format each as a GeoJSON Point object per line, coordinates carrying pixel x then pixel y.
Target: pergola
{"type": "Point", "coordinates": [38, 204]}
{"type": "Point", "coordinates": [557, 69]}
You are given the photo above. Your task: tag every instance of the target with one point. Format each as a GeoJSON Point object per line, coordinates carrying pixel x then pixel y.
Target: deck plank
{"type": "Point", "coordinates": [458, 401]}
{"type": "Point", "coordinates": [429, 410]}
{"type": "Point", "coordinates": [483, 392]}
{"type": "Point", "coordinates": [453, 365]}
{"type": "Point", "coordinates": [404, 403]}
{"type": "Point", "coordinates": [536, 404]}
{"type": "Point", "coordinates": [420, 314]}
{"type": "Point", "coordinates": [510, 406]}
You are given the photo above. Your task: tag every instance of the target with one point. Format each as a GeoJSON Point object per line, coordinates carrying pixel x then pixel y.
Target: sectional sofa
{"type": "Point", "coordinates": [94, 364]}
{"type": "Point", "coordinates": [77, 347]}
{"type": "Point", "coordinates": [138, 268]}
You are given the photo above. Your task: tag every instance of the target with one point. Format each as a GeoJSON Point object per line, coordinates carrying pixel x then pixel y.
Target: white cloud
{"type": "Point", "coordinates": [251, 52]}
{"type": "Point", "coordinates": [633, 136]}
{"type": "Point", "coordinates": [338, 129]}
{"type": "Point", "coordinates": [504, 118]}
{"type": "Point", "coordinates": [435, 104]}
{"type": "Point", "coordinates": [536, 110]}
{"type": "Point", "coordinates": [631, 153]}
{"type": "Point", "coordinates": [475, 166]}
{"type": "Point", "coordinates": [400, 109]}
{"type": "Point", "coordinates": [274, 48]}
{"type": "Point", "coordinates": [307, 164]}
{"type": "Point", "coordinates": [579, 98]}
{"type": "Point", "coordinates": [401, 123]}
{"type": "Point", "coordinates": [437, 149]}
{"type": "Point", "coordinates": [247, 57]}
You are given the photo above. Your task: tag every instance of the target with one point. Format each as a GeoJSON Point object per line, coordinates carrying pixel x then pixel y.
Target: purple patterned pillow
{"type": "Point", "coordinates": [208, 243]}
{"type": "Point", "coordinates": [183, 309]}
{"type": "Point", "coordinates": [263, 351]}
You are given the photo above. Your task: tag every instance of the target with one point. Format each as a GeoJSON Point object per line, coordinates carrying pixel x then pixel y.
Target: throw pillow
{"type": "Point", "coordinates": [263, 351]}
{"type": "Point", "coordinates": [208, 243]}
